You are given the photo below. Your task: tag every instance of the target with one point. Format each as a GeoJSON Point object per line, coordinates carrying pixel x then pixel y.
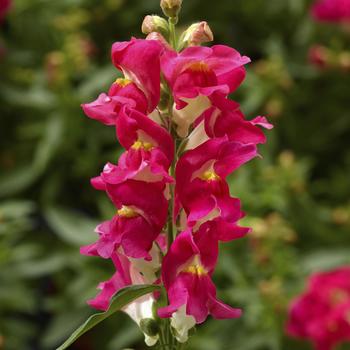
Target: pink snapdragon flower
{"type": "Point", "coordinates": [136, 132]}
{"type": "Point", "coordinates": [218, 122]}
{"type": "Point", "coordinates": [140, 87]}
{"type": "Point", "coordinates": [201, 70]}
{"type": "Point", "coordinates": [201, 174]}
{"type": "Point", "coordinates": [149, 151]}
{"type": "Point", "coordinates": [197, 76]}
{"type": "Point", "coordinates": [137, 223]}
{"type": "Point", "coordinates": [186, 274]}
{"type": "Point", "coordinates": [106, 107]}
{"type": "Point", "coordinates": [322, 313]}
{"type": "Point", "coordinates": [139, 60]}
{"type": "Point", "coordinates": [131, 272]}
{"type": "Point", "coordinates": [331, 10]}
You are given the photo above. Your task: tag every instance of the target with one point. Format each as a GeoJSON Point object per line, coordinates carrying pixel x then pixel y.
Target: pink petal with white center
{"type": "Point", "coordinates": [134, 129]}
{"type": "Point", "coordinates": [203, 67]}
{"type": "Point", "coordinates": [148, 198]}
{"type": "Point", "coordinates": [186, 274]}
{"type": "Point", "coordinates": [139, 60]}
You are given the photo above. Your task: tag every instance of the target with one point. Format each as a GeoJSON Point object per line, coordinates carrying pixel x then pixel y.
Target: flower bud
{"type": "Point", "coordinates": [182, 324]}
{"type": "Point", "coordinates": [155, 24]}
{"type": "Point", "coordinates": [149, 326]}
{"type": "Point", "coordinates": [319, 56]}
{"type": "Point", "coordinates": [197, 34]}
{"type": "Point", "coordinates": [171, 8]}
{"type": "Point", "coordinates": [159, 37]}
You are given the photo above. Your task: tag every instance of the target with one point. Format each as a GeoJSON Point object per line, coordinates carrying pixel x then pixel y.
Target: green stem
{"type": "Point", "coordinates": [171, 229]}
{"type": "Point", "coordinates": [173, 40]}
{"type": "Point", "coordinates": [168, 341]}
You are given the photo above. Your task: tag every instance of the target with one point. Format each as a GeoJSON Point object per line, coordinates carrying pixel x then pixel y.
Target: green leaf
{"type": "Point", "coordinates": [121, 299]}
{"type": "Point", "coordinates": [71, 226]}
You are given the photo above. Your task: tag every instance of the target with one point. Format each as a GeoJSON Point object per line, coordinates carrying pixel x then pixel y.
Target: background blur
{"type": "Point", "coordinates": [55, 55]}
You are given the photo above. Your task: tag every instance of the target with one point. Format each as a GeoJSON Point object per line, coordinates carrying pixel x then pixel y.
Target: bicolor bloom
{"type": "Point", "coordinates": [217, 123]}
{"type": "Point", "coordinates": [139, 134]}
{"type": "Point", "coordinates": [130, 273]}
{"type": "Point", "coordinates": [331, 10]}
{"type": "Point", "coordinates": [140, 87]}
{"type": "Point", "coordinates": [322, 313]}
{"type": "Point", "coordinates": [137, 223]}
{"type": "Point", "coordinates": [149, 151]}
{"type": "Point", "coordinates": [201, 186]}
{"type": "Point", "coordinates": [197, 75]}
{"type": "Point", "coordinates": [139, 60]}
{"type": "Point", "coordinates": [186, 274]}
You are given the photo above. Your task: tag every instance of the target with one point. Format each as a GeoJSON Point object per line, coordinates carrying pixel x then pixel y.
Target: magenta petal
{"type": "Point", "coordinates": [262, 121]}
{"type": "Point", "coordinates": [101, 301]}
{"type": "Point", "coordinates": [132, 123]}
{"type": "Point", "coordinates": [109, 288]}
{"type": "Point", "coordinates": [222, 311]}
{"type": "Point", "coordinates": [182, 249]}
{"type": "Point", "coordinates": [139, 60]}
{"type": "Point", "coordinates": [105, 109]}
{"type": "Point", "coordinates": [177, 295]}
{"type": "Point", "coordinates": [331, 10]}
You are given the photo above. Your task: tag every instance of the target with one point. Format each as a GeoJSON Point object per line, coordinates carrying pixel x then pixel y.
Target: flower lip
{"type": "Point", "coordinates": [199, 66]}
{"type": "Point", "coordinates": [122, 82]}
{"type": "Point", "coordinates": [127, 212]}
{"type": "Point", "coordinates": [198, 270]}
{"type": "Point", "coordinates": [210, 175]}
{"type": "Point", "coordinates": [138, 144]}
{"type": "Point", "coordinates": [195, 267]}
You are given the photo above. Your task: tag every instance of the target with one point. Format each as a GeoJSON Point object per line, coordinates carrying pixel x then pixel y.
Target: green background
{"type": "Point", "coordinates": [296, 197]}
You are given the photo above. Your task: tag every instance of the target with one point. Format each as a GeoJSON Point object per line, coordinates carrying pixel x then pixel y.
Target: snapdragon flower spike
{"type": "Point", "coordinates": [186, 274]}
{"type": "Point", "coordinates": [139, 60]}
{"type": "Point", "coordinates": [201, 173]}
{"type": "Point", "coordinates": [137, 223]}
{"type": "Point", "coordinates": [195, 85]}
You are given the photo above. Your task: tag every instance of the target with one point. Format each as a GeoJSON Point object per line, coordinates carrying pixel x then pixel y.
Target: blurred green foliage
{"type": "Point", "coordinates": [296, 196]}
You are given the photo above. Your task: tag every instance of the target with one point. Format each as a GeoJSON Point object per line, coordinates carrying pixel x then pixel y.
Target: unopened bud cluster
{"type": "Point", "coordinates": [155, 24]}
{"type": "Point", "coordinates": [171, 8]}
{"type": "Point", "coordinates": [196, 35]}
